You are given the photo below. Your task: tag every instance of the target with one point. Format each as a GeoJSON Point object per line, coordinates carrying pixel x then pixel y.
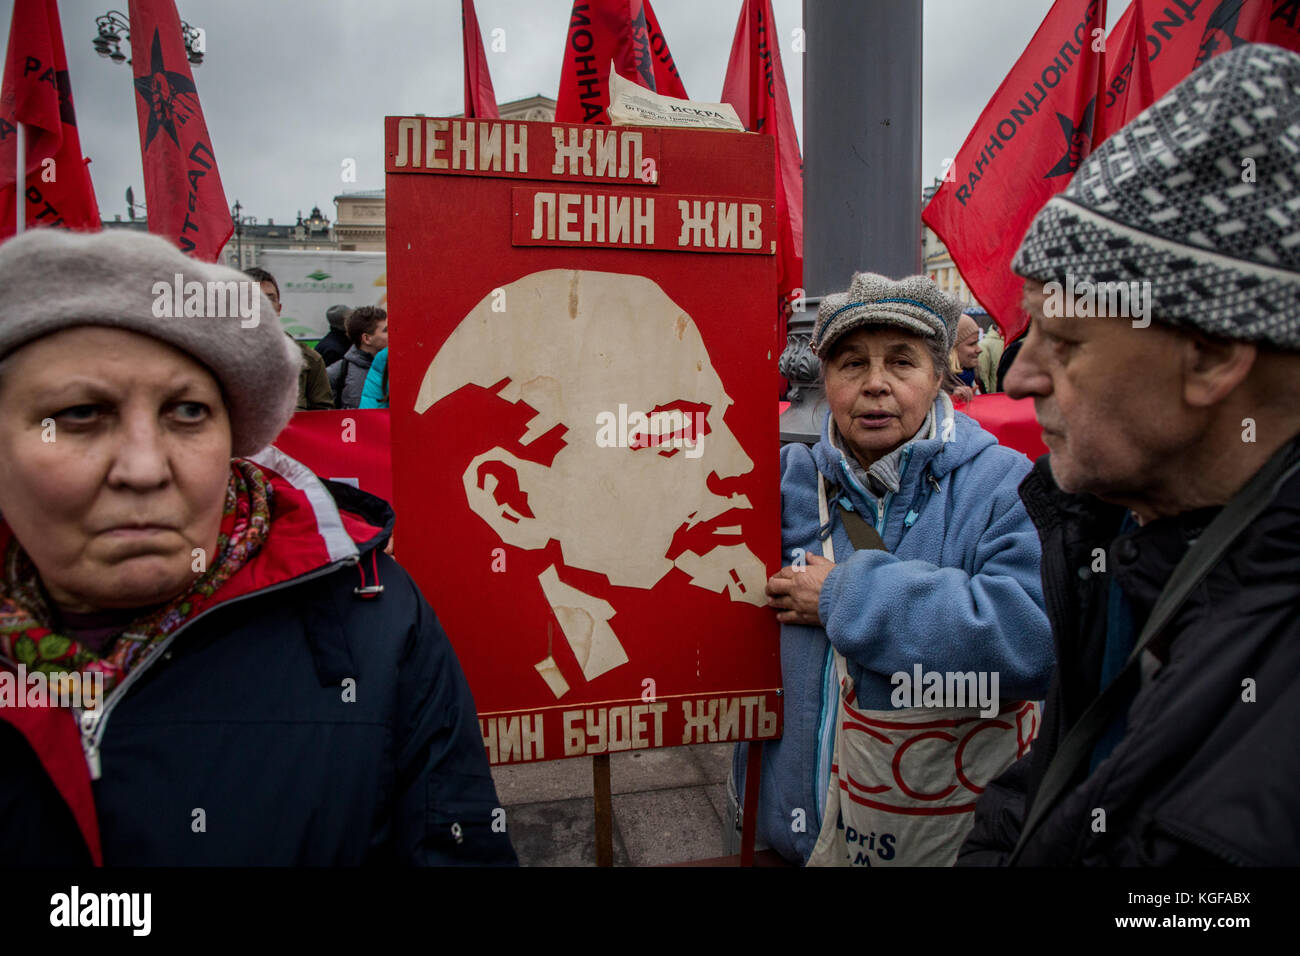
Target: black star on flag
{"type": "Point", "coordinates": [64, 86]}
{"type": "Point", "coordinates": [159, 90]}
{"type": "Point", "coordinates": [1221, 31]}
{"type": "Point", "coordinates": [641, 50]}
{"type": "Point", "coordinates": [1077, 140]}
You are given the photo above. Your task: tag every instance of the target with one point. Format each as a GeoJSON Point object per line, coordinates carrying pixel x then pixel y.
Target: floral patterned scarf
{"type": "Point", "coordinates": [27, 634]}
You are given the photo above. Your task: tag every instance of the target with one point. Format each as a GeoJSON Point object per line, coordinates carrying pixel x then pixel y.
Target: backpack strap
{"type": "Point", "coordinates": [1201, 558]}
{"type": "Point", "coordinates": [861, 534]}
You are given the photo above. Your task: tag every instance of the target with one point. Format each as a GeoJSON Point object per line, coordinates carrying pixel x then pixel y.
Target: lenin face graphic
{"type": "Point", "coordinates": [573, 347]}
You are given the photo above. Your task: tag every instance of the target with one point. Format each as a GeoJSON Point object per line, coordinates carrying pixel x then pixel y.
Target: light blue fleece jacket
{"type": "Point", "coordinates": [958, 590]}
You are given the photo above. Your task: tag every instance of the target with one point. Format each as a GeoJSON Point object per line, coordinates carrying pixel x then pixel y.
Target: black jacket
{"type": "Point", "coordinates": [239, 744]}
{"type": "Point", "coordinates": [1203, 775]}
{"type": "Point", "coordinates": [334, 346]}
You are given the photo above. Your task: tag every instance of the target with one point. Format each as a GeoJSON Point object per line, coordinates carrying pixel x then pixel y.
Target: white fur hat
{"type": "Point", "coordinates": [51, 280]}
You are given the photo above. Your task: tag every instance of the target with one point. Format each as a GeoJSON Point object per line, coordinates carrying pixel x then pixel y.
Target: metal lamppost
{"type": "Point", "coordinates": [862, 169]}
{"type": "Point", "coordinates": [114, 27]}
{"type": "Point", "coordinates": [132, 205]}
{"type": "Point", "coordinates": [238, 219]}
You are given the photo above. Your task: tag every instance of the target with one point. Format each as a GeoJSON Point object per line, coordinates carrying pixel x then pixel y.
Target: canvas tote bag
{"type": "Point", "coordinates": [904, 783]}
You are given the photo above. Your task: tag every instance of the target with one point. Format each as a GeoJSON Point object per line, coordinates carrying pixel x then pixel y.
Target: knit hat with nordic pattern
{"type": "Point", "coordinates": [1200, 196]}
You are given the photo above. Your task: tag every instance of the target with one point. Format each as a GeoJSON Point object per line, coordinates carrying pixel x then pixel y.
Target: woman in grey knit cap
{"type": "Point", "coordinates": [908, 560]}
{"type": "Point", "coordinates": [208, 659]}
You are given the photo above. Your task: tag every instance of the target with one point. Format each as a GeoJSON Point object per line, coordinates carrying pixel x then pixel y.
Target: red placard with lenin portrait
{"type": "Point", "coordinates": [584, 425]}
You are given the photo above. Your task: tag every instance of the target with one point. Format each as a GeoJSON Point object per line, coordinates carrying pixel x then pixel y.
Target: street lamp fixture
{"type": "Point", "coordinates": [114, 27]}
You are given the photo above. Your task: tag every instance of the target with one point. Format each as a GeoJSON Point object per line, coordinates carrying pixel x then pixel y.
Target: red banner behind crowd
{"type": "Point", "coordinates": [352, 446]}
{"type": "Point", "coordinates": [755, 88]}
{"type": "Point", "coordinates": [624, 31]}
{"type": "Point", "coordinates": [182, 186]}
{"type": "Point", "coordinates": [37, 93]}
{"type": "Point", "coordinates": [1011, 421]}
{"type": "Point", "coordinates": [1024, 148]}
{"type": "Point", "coordinates": [480, 98]}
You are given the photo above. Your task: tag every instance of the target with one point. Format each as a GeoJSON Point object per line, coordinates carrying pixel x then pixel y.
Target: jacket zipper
{"type": "Point", "coordinates": [93, 722]}
{"type": "Point", "coordinates": [882, 508]}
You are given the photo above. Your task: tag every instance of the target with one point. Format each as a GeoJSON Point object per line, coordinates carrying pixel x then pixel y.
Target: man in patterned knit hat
{"type": "Point", "coordinates": [1164, 363]}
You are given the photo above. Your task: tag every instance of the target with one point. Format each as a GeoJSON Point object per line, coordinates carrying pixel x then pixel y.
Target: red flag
{"type": "Point", "coordinates": [755, 88]}
{"type": "Point", "coordinates": [1158, 42]}
{"type": "Point", "coordinates": [653, 45]}
{"type": "Point", "coordinates": [480, 99]}
{"type": "Point", "coordinates": [1031, 137]}
{"type": "Point", "coordinates": [1177, 36]}
{"type": "Point", "coordinates": [1284, 24]}
{"type": "Point", "coordinates": [37, 93]}
{"type": "Point", "coordinates": [625, 32]}
{"type": "Point", "coordinates": [181, 183]}
{"type": "Point", "coordinates": [1128, 80]}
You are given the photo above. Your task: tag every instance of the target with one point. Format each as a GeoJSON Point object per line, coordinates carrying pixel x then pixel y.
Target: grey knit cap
{"type": "Point", "coordinates": [51, 280]}
{"type": "Point", "coordinates": [1200, 196]}
{"type": "Point", "coordinates": [915, 304]}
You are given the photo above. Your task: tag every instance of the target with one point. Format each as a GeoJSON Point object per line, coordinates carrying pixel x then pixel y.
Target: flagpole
{"type": "Point", "coordinates": [862, 141]}
{"type": "Point", "coordinates": [20, 180]}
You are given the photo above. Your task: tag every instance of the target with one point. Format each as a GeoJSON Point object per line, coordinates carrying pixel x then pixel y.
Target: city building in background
{"type": "Point", "coordinates": [251, 238]}
{"type": "Point", "coordinates": [359, 216]}
{"type": "Point", "coordinates": [359, 225]}
{"type": "Point", "coordinates": [938, 263]}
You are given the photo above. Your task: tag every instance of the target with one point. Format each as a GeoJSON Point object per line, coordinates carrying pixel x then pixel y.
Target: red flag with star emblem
{"type": "Point", "coordinates": [36, 92]}
{"type": "Point", "coordinates": [1031, 137]}
{"type": "Point", "coordinates": [181, 183]}
{"type": "Point", "coordinates": [480, 98]}
{"type": "Point", "coordinates": [625, 32]}
{"type": "Point", "coordinates": [1164, 40]}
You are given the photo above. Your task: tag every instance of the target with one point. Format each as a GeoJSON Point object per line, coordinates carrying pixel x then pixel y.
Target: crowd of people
{"type": "Point", "coordinates": [1142, 577]}
{"type": "Point", "coordinates": [348, 368]}
{"type": "Point", "coordinates": [1124, 609]}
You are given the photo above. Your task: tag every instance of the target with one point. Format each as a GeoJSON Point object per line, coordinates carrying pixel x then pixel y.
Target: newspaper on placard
{"type": "Point", "coordinates": [633, 105]}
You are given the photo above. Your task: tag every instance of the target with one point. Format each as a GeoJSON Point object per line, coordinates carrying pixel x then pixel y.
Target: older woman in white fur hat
{"type": "Point", "coordinates": [262, 685]}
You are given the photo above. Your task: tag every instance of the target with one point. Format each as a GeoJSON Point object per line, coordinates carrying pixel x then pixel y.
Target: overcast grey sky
{"type": "Point", "coordinates": [291, 88]}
